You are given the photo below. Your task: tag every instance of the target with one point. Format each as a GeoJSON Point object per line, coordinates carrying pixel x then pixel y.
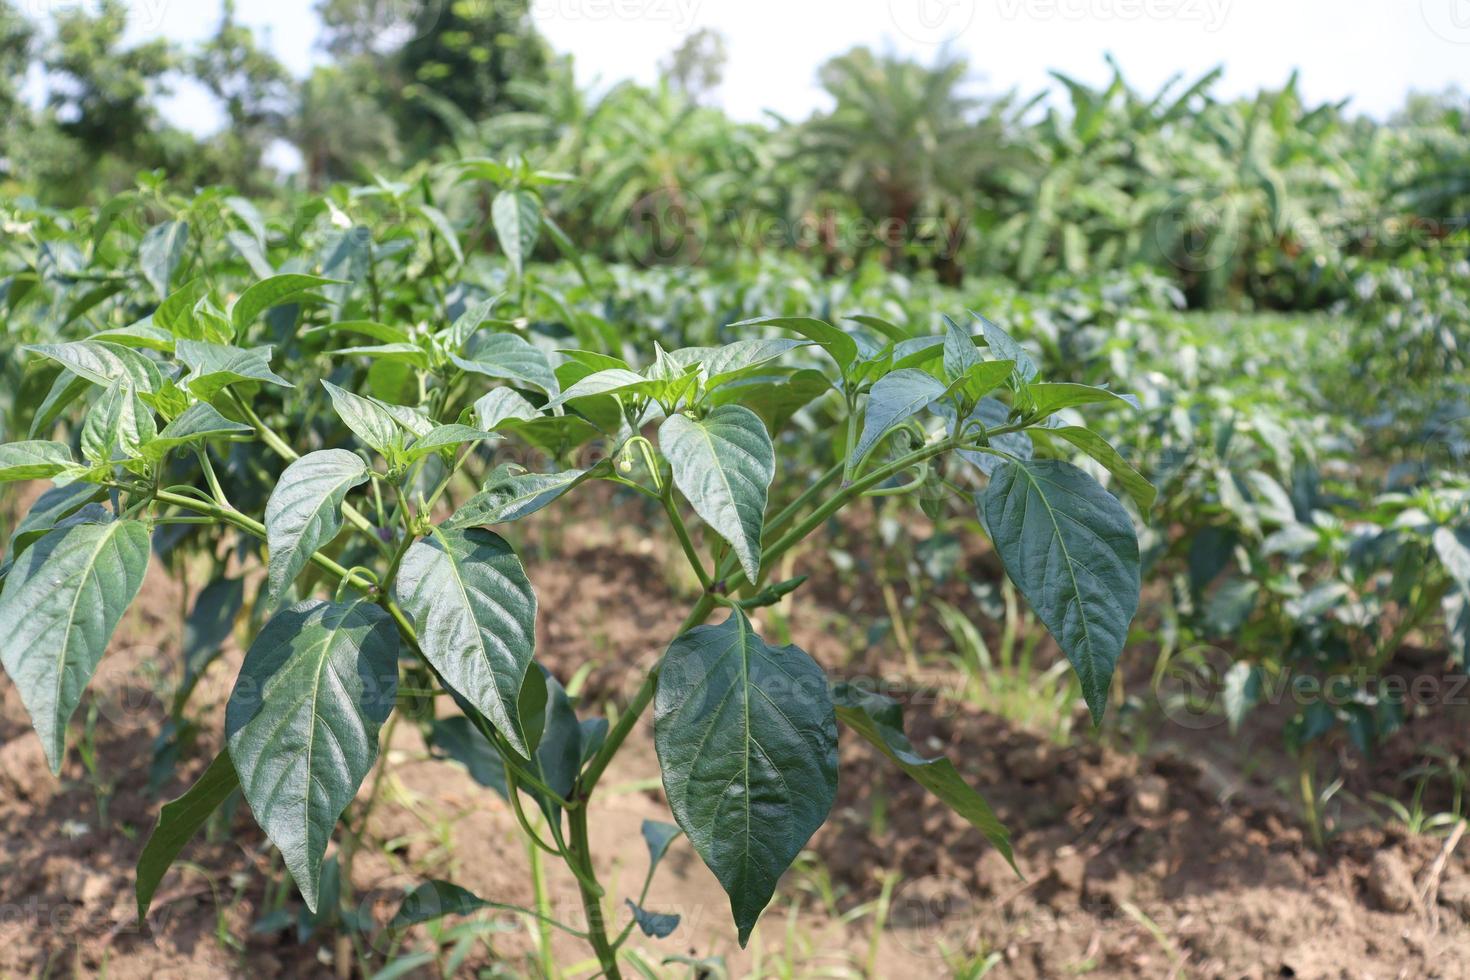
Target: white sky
{"type": "Point", "coordinates": [1372, 50]}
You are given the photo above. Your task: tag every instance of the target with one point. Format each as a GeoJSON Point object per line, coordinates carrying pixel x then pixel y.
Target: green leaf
{"type": "Point", "coordinates": [1071, 549]}
{"type": "Point", "coordinates": [1453, 548]}
{"type": "Point", "coordinates": [61, 602]}
{"type": "Point", "coordinates": [443, 437]}
{"type": "Point", "coordinates": [655, 925]}
{"type": "Point", "coordinates": [102, 363]}
{"type": "Point", "coordinates": [137, 335]}
{"type": "Point", "coordinates": [304, 512]}
{"type": "Point", "coordinates": [723, 464]}
{"type": "Point", "coordinates": [67, 503]}
{"type": "Point", "coordinates": [512, 496]}
{"type": "Point", "coordinates": [722, 364]}
{"type": "Point", "coordinates": [272, 292]}
{"type": "Point", "coordinates": [1007, 348]}
{"type": "Point", "coordinates": [879, 720]}
{"type": "Point", "coordinates": [458, 739]}
{"type": "Point", "coordinates": [1094, 445]}
{"type": "Point", "coordinates": [367, 328]}
{"type": "Point", "coordinates": [612, 381]}
{"type": "Point", "coordinates": [302, 723]}
{"type": "Point", "coordinates": [1050, 397]}
{"type": "Point", "coordinates": [510, 357]}
{"type": "Point", "coordinates": [411, 354]}
{"type": "Point", "coordinates": [434, 900]}
{"type": "Point", "coordinates": [67, 388]}
{"type": "Point", "coordinates": [658, 836]}
{"type": "Point", "coordinates": [500, 405]}
{"type": "Point", "coordinates": [960, 354]}
{"type": "Point", "coordinates": [517, 218]}
{"type": "Point", "coordinates": [837, 342]}
{"type": "Point", "coordinates": [198, 423]}
{"type": "Point", "coordinates": [774, 397]}
{"type": "Point", "coordinates": [368, 418]}
{"type": "Point", "coordinates": [440, 223]}
{"type": "Point", "coordinates": [475, 614]}
{"type": "Point", "coordinates": [895, 399]}
{"type": "Point", "coordinates": [33, 460]}
{"type": "Point", "coordinates": [160, 253]}
{"type": "Point", "coordinates": [117, 425]}
{"type": "Point", "coordinates": [178, 821]}
{"type": "Point", "coordinates": [175, 315]}
{"type": "Point", "coordinates": [747, 742]}
{"type": "Point", "coordinates": [213, 367]}
{"type": "Point", "coordinates": [458, 333]}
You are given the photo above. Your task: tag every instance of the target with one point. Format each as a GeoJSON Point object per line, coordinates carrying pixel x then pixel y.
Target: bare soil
{"type": "Point", "coordinates": [1184, 857]}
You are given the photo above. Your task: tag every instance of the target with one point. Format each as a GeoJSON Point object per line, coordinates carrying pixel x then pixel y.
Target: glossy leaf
{"type": "Point", "coordinates": [61, 602]}
{"type": "Point", "coordinates": [33, 460]}
{"type": "Point", "coordinates": [475, 614]}
{"type": "Point", "coordinates": [161, 252]}
{"type": "Point", "coordinates": [302, 723]}
{"type": "Point", "coordinates": [513, 496]}
{"type": "Point", "coordinates": [305, 510]}
{"type": "Point", "coordinates": [879, 720]}
{"type": "Point", "coordinates": [895, 399]}
{"type": "Point", "coordinates": [723, 464]}
{"type": "Point", "coordinates": [199, 423]}
{"type": "Point", "coordinates": [272, 292]}
{"type": "Point", "coordinates": [178, 821]}
{"type": "Point", "coordinates": [837, 342]}
{"type": "Point", "coordinates": [1071, 549]}
{"type": "Point", "coordinates": [102, 363]}
{"type": "Point", "coordinates": [1094, 445]}
{"type": "Point", "coordinates": [747, 742]}
{"type": "Point", "coordinates": [216, 366]}
{"type": "Point", "coordinates": [509, 357]}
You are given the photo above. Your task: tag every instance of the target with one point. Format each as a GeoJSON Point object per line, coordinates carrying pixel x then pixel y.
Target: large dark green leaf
{"type": "Point", "coordinates": [724, 464]}
{"type": "Point", "coordinates": [305, 510]}
{"type": "Point", "coordinates": [747, 741]}
{"type": "Point", "coordinates": [475, 614]}
{"type": "Point", "coordinates": [302, 723]}
{"type": "Point", "coordinates": [178, 821]}
{"type": "Point", "coordinates": [880, 720]}
{"type": "Point", "coordinates": [895, 399]}
{"type": "Point", "coordinates": [1070, 547]}
{"type": "Point", "coordinates": [62, 599]}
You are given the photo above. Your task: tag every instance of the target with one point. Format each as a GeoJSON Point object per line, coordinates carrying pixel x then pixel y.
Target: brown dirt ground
{"type": "Point", "coordinates": [1183, 859]}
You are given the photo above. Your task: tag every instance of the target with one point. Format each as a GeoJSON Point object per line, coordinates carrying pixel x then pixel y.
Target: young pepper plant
{"type": "Point", "coordinates": [371, 578]}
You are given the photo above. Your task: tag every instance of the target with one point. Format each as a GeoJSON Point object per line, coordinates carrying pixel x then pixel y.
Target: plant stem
{"type": "Point", "coordinates": [607, 956]}
{"type": "Point", "coordinates": [682, 532]}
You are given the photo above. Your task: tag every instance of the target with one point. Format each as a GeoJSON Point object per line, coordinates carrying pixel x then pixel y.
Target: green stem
{"type": "Point", "coordinates": [283, 449]}
{"type": "Point", "coordinates": [607, 955]}
{"type": "Point", "coordinates": [682, 533]}
{"type": "Point", "coordinates": [252, 526]}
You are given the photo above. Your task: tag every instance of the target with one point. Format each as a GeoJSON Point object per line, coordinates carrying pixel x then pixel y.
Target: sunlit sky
{"type": "Point", "coordinates": [1374, 51]}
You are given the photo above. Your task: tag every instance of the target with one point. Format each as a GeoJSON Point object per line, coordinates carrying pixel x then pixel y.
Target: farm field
{"type": "Point", "coordinates": [564, 530]}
